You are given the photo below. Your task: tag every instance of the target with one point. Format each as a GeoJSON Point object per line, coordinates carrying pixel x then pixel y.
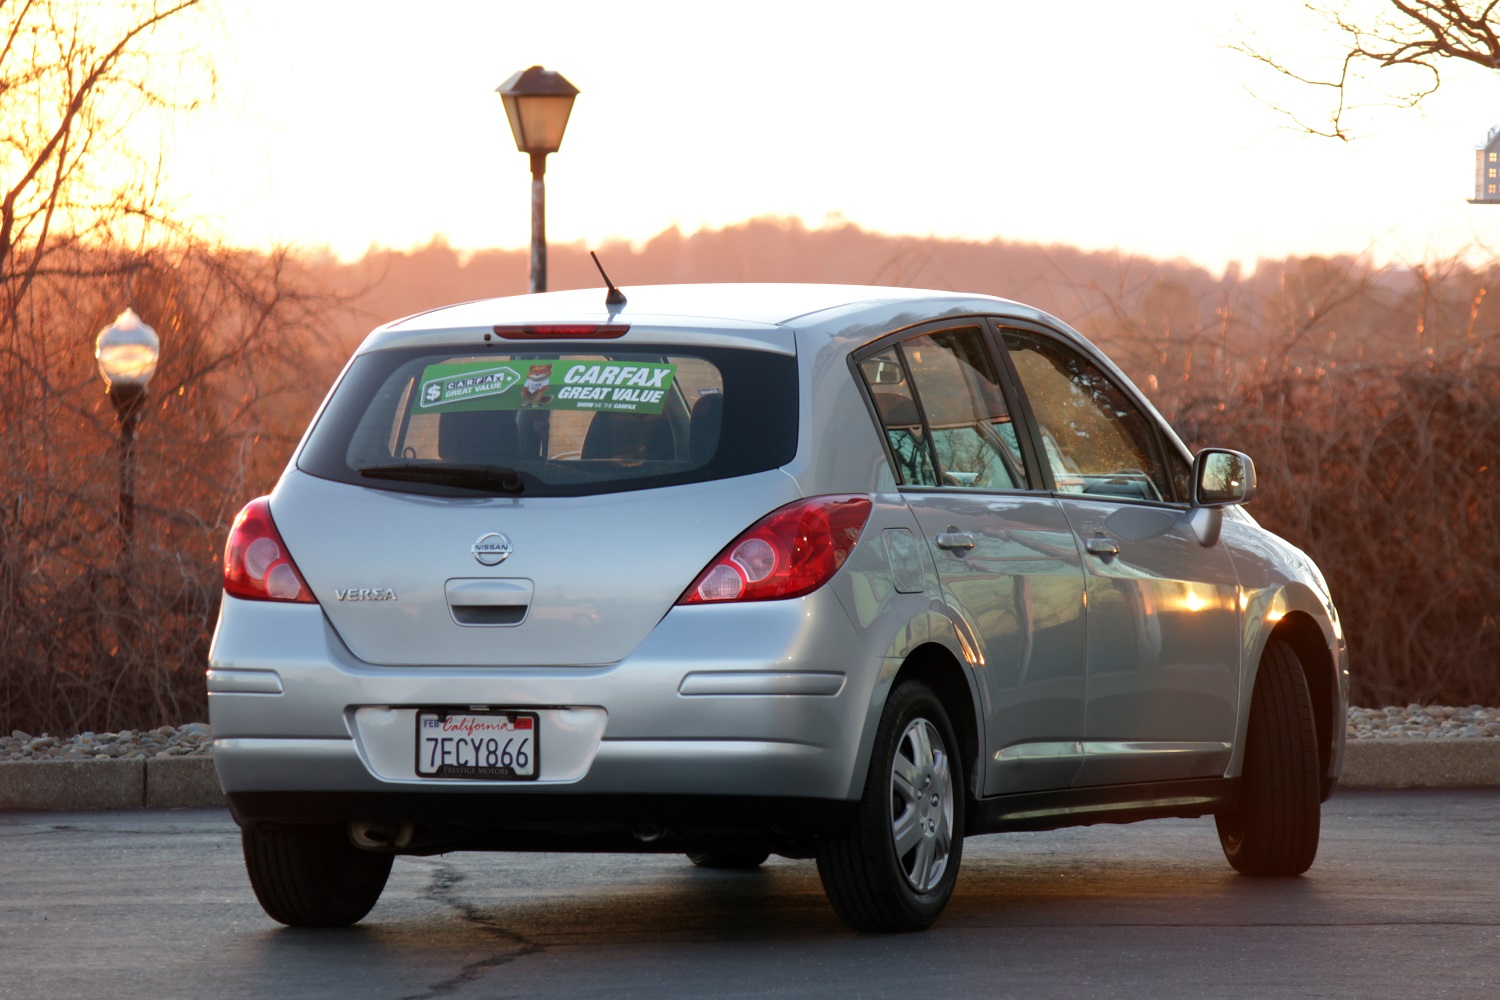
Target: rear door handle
{"type": "Point", "coordinates": [1101, 546]}
{"type": "Point", "coordinates": [960, 540]}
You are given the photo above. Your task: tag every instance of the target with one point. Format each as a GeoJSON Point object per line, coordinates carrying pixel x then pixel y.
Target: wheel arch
{"type": "Point", "coordinates": [1308, 641]}
{"type": "Point", "coordinates": [935, 665]}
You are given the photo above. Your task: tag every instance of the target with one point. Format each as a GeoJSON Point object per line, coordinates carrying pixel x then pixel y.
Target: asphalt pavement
{"type": "Point", "coordinates": [1401, 903]}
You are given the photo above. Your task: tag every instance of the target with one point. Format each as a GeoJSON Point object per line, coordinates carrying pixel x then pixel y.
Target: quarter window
{"type": "Point", "coordinates": [1181, 472]}
{"type": "Point", "coordinates": [1096, 440]}
{"type": "Point", "coordinates": [886, 378]}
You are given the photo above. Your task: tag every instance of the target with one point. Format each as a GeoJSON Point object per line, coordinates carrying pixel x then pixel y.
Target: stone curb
{"type": "Point", "coordinates": [191, 782]}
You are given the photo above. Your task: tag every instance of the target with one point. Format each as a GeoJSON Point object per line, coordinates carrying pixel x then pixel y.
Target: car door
{"type": "Point", "coordinates": [1005, 554]}
{"type": "Point", "coordinates": [1163, 609]}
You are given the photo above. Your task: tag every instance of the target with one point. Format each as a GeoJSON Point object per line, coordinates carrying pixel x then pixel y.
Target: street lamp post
{"type": "Point", "coordinates": [538, 102]}
{"type": "Point", "coordinates": [127, 350]}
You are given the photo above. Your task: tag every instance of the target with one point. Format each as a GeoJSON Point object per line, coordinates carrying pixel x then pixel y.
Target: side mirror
{"type": "Point", "coordinates": [1222, 477]}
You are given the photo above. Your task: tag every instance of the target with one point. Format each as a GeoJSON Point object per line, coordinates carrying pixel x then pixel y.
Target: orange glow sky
{"type": "Point", "coordinates": [1099, 124]}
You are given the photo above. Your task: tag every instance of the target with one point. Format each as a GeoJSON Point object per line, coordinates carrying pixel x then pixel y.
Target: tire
{"type": "Point", "coordinates": [1273, 827]}
{"type": "Point", "coordinates": [730, 861]}
{"type": "Point", "coordinates": [913, 797]}
{"type": "Point", "coordinates": [312, 876]}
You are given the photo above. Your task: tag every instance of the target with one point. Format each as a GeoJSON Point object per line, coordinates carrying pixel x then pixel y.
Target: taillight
{"type": "Point", "coordinates": [789, 552]}
{"type": "Point", "coordinates": [257, 565]}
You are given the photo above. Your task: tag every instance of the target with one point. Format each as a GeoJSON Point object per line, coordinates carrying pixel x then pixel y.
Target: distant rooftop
{"type": "Point", "coordinates": [1487, 171]}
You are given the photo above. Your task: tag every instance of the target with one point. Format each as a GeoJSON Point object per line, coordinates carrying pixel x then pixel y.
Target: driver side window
{"type": "Point", "coordinates": [1097, 441]}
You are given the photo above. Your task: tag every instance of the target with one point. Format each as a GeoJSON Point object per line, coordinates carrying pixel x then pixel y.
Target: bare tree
{"type": "Point", "coordinates": [1396, 53]}
{"type": "Point", "coordinates": [89, 639]}
{"type": "Point", "coordinates": [74, 76]}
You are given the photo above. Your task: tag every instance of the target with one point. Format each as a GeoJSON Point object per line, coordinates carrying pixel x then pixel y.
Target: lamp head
{"type": "Point", "coordinates": [537, 102]}
{"type": "Point", "coordinates": [127, 351]}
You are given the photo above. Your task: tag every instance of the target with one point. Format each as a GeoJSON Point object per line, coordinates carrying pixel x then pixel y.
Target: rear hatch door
{"type": "Point", "coordinates": [404, 579]}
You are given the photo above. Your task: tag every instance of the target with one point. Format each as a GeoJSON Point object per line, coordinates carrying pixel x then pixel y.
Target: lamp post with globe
{"type": "Point", "coordinates": [127, 351]}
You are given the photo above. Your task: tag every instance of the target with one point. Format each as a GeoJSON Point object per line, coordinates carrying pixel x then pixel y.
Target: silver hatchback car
{"type": "Point", "coordinates": [829, 572]}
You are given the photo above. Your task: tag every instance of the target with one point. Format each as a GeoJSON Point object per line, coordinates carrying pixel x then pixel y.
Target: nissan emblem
{"type": "Point", "coordinates": [491, 549]}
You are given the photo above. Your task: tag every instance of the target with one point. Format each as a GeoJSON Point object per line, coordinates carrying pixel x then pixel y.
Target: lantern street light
{"type": "Point", "coordinates": [538, 102]}
{"type": "Point", "coordinates": [127, 350]}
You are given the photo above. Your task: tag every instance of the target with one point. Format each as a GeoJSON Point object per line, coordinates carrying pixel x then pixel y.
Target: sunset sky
{"type": "Point", "coordinates": [1097, 124]}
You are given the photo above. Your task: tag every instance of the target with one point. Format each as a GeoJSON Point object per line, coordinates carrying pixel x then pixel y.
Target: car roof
{"type": "Point", "coordinates": [764, 313]}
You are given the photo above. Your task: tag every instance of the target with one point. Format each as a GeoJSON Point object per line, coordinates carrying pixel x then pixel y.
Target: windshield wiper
{"type": "Point", "coordinates": [491, 478]}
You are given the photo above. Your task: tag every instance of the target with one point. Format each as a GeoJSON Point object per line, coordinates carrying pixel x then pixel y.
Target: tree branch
{"type": "Point", "coordinates": [1418, 35]}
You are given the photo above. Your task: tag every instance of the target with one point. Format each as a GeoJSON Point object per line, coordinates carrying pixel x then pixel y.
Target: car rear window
{"type": "Point", "coordinates": [555, 423]}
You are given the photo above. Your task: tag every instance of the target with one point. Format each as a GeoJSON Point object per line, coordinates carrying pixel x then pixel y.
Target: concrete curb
{"type": "Point", "coordinates": [157, 783]}
{"type": "Point", "coordinates": [1422, 763]}
{"type": "Point", "coordinates": [192, 783]}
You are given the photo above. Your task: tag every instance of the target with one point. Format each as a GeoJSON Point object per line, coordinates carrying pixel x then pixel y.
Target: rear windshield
{"type": "Point", "coordinates": [555, 423]}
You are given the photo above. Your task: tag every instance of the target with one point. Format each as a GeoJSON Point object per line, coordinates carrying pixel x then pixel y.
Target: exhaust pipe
{"type": "Point", "coordinates": [649, 833]}
{"type": "Point", "coordinates": [381, 836]}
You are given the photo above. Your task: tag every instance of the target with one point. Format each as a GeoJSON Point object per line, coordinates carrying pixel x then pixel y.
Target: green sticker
{"type": "Point", "coordinates": [621, 386]}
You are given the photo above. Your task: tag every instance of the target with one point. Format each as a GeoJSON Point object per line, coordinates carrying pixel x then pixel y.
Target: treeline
{"type": "Point", "coordinates": [1370, 401]}
{"type": "Point", "coordinates": [1366, 396]}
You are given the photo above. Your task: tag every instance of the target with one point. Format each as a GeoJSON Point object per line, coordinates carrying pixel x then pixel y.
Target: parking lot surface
{"type": "Point", "coordinates": [1401, 902]}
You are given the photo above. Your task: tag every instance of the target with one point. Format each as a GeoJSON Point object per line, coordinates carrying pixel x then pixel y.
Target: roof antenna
{"type": "Point", "coordinates": [615, 297]}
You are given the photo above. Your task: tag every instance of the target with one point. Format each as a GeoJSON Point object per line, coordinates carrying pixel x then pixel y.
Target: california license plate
{"type": "Point", "coordinates": [495, 746]}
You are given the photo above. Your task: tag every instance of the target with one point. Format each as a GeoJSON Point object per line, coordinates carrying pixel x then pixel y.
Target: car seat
{"type": "Point", "coordinates": [629, 436]}
{"type": "Point", "coordinates": [478, 437]}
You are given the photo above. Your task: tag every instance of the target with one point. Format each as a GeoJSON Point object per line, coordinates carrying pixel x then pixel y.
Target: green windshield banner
{"type": "Point", "coordinates": [622, 386]}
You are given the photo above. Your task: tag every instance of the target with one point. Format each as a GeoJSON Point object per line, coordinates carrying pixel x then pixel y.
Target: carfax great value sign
{"type": "Point", "coordinates": [623, 386]}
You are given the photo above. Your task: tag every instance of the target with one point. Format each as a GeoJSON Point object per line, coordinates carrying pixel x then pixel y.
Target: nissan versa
{"type": "Point", "coordinates": [835, 573]}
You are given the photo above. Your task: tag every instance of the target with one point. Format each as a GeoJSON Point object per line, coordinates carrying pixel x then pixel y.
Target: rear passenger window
{"type": "Point", "coordinates": [943, 413]}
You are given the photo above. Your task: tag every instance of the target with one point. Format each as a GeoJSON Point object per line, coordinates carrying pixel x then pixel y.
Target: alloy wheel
{"type": "Point", "coordinates": [922, 805]}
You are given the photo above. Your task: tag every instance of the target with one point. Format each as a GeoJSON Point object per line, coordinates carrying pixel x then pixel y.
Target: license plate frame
{"type": "Point", "coordinates": [491, 758]}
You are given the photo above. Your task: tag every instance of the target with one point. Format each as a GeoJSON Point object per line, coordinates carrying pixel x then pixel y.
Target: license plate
{"type": "Point", "coordinates": [496, 746]}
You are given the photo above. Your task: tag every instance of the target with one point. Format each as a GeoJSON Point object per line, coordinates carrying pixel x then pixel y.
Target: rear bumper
{"type": "Point", "coordinates": [757, 701]}
{"type": "Point", "coordinates": [439, 820]}
{"type": "Point", "coordinates": [618, 767]}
